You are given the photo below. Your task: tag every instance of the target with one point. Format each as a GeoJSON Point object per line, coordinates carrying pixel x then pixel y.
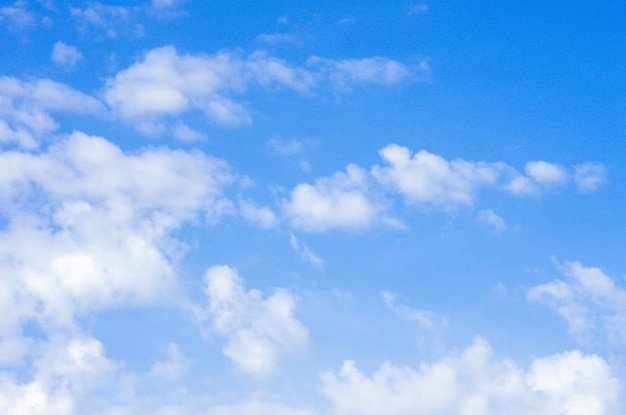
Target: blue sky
{"type": "Point", "coordinates": [312, 208]}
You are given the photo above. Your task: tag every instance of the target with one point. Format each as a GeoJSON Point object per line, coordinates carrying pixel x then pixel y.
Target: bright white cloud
{"type": "Point", "coordinates": [337, 202]}
{"type": "Point", "coordinates": [25, 108]}
{"type": "Point", "coordinates": [474, 383]}
{"type": "Point", "coordinates": [63, 54]}
{"type": "Point", "coordinates": [166, 83]}
{"type": "Point", "coordinates": [539, 176]}
{"type": "Point", "coordinates": [589, 176]}
{"type": "Point", "coordinates": [90, 227]}
{"type": "Point", "coordinates": [588, 300]}
{"type": "Point", "coordinates": [257, 329]}
{"type": "Point", "coordinates": [425, 178]}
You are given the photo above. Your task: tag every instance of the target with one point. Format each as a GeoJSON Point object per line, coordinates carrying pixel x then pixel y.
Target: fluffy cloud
{"type": "Point", "coordinates": [167, 83]}
{"type": "Point", "coordinates": [90, 227]}
{"type": "Point", "coordinates": [63, 54]}
{"type": "Point", "coordinates": [25, 108]}
{"type": "Point", "coordinates": [588, 300]}
{"type": "Point", "coordinates": [17, 16]}
{"type": "Point", "coordinates": [489, 218]}
{"type": "Point", "coordinates": [111, 19]}
{"type": "Point", "coordinates": [340, 201]}
{"type": "Point", "coordinates": [474, 383]}
{"type": "Point", "coordinates": [539, 175]}
{"type": "Point", "coordinates": [65, 369]}
{"type": "Point", "coordinates": [589, 176]}
{"type": "Point", "coordinates": [429, 179]}
{"type": "Point", "coordinates": [257, 329]}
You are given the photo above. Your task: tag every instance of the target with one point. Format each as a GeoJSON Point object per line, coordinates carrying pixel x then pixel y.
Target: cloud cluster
{"type": "Point", "coordinates": [473, 383]}
{"type": "Point", "coordinates": [357, 199]}
{"type": "Point", "coordinates": [589, 300]}
{"type": "Point", "coordinates": [90, 227]}
{"type": "Point", "coordinates": [26, 107]}
{"type": "Point", "coordinates": [166, 83]}
{"type": "Point", "coordinates": [256, 329]}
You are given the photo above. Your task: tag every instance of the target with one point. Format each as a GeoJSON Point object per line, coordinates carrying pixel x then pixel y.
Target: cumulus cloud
{"type": "Point", "coordinates": [589, 176]}
{"type": "Point", "coordinates": [426, 178]}
{"type": "Point", "coordinates": [589, 300]}
{"type": "Point", "coordinates": [256, 329]}
{"type": "Point", "coordinates": [64, 371]}
{"type": "Point", "coordinates": [90, 227]}
{"type": "Point", "coordinates": [473, 382]}
{"type": "Point", "coordinates": [64, 54]}
{"type": "Point", "coordinates": [539, 175]}
{"type": "Point", "coordinates": [337, 202]}
{"type": "Point", "coordinates": [165, 83]}
{"type": "Point", "coordinates": [26, 107]}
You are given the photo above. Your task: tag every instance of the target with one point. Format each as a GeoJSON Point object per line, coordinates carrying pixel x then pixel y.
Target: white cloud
{"type": "Point", "coordinates": [589, 176]}
{"type": "Point", "coordinates": [539, 176]}
{"type": "Point", "coordinates": [90, 227]}
{"type": "Point", "coordinates": [173, 366]}
{"type": "Point", "coordinates": [337, 202]}
{"type": "Point", "coordinates": [17, 16]}
{"type": "Point", "coordinates": [25, 108]}
{"type": "Point", "coordinates": [109, 18]}
{"type": "Point", "coordinates": [276, 38]}
{"type": "Point", "coordinates": [65, 369]}
{"type": "Point", "coordinates": [420, 8]}
{"type": "Point", "coordinates": [257, 329]}
{"type": "Point", "coordinates": [474, 383]}
{"type": "Point", "coordinates": [63, 54]}
{"type": "Point", "coordinates": [589, 300]}
{"type": "Point", "coordinates": [166, 4]}
{"type": "Point", "coordinates": [304, 251]}
{"type": "Point", "coordinates": [425, 319]}
{"type": "Point", "coordinates": [166, 83]}
{"type": "Point", "coordinates": [262, 216]}
{"type": "Point", "coordinates": [343, 74]}
{"type": "Point", "coordinates": [489, 218]}
{"type": "Point", "coordinates": [425, 178]}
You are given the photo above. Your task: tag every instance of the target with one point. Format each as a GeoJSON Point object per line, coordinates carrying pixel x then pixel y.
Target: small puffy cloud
{"type": "Point", "coordinates": [539, 176]}
{"type": "Point", "coordinates": [257, 329]}
{"type": "Point", "coordinates": [166, 4]}
{"type": "Point", "coordinates": [589, 300]}
{"type": "Point", "coordinates": [589, 176]}
{"type": "Point", "coordinates": [337, 202]}
{"type": "Point", "coordinates": [473, 383]}
{"type": "Point", "coordinates": [344, 74]}
{"type": "Point", "coordinates": [426, 178]}
{"type": "Point", "coordinates": [17, 16]}
{"type": "Point", "coordinates": [105, 17]}
{"type": "Point", "coordinates": [420, 8]}
{"type": "Point", "coordinates": [489, 218]}
{"type": "Point", "coordinates": [26, 107]}
{"type": "Point", "coordinates": [63, 54]}
{"type": "Point", "coordinates": [260, 215]}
